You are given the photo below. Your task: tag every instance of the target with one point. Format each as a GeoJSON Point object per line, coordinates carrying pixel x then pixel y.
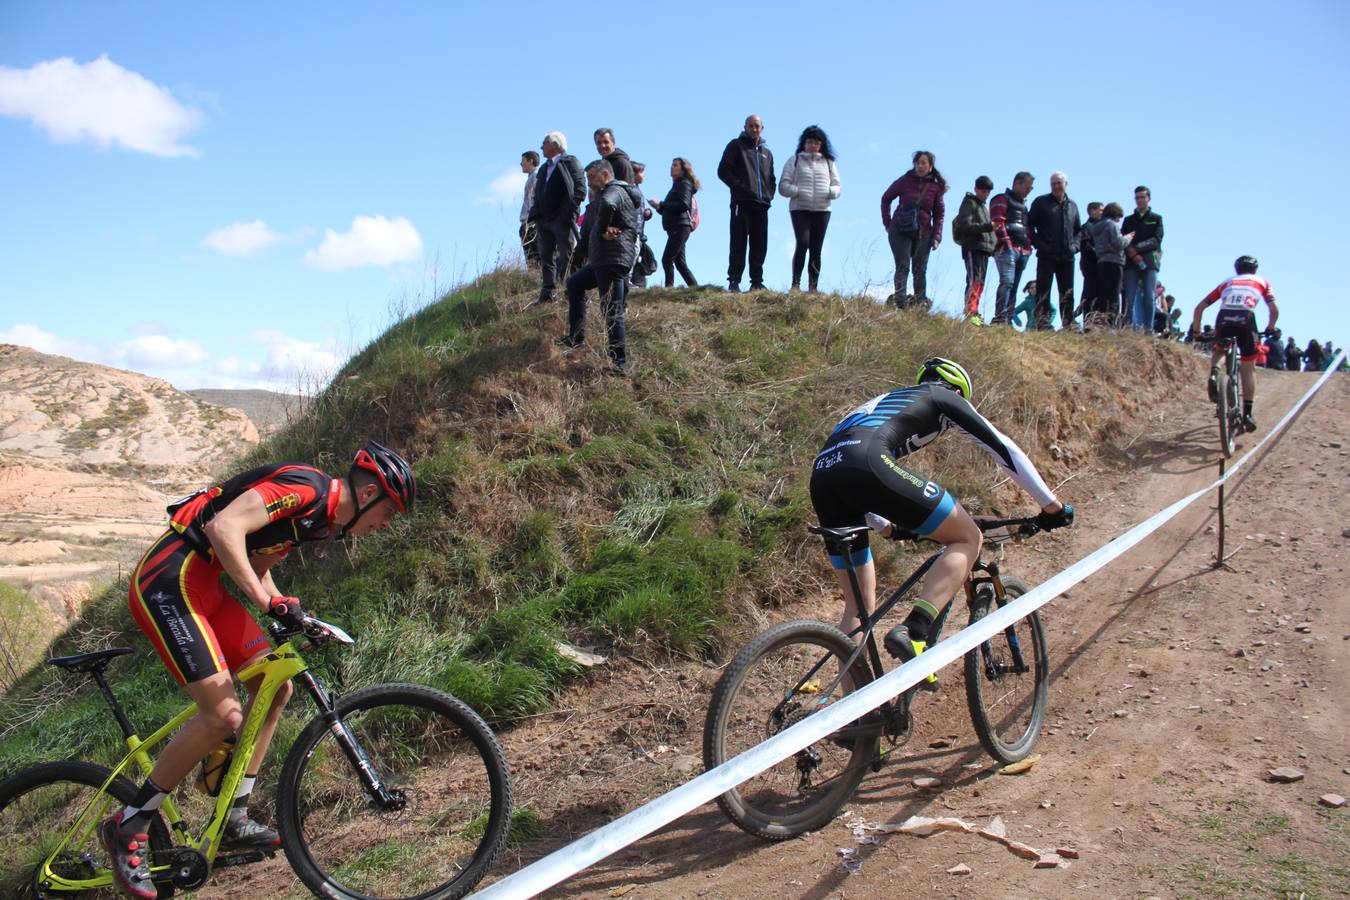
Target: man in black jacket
{"type": "Point", "coordinates": [559, 188]}
{"type": "Point", "coordinates": [609, 246]}
{"type": "Point", "coordinates": [617, 159]}
{"type": "Point", "coordinates": [973, 229]}
{"type": "Point", "coordinates": [1275, 351]}
{"type": "Point", "coordinates": [747, 168]}
{"type": "Point", "coordinates": [1055, 229]}
{"type": "Point", "coordinates": [1139, 280]}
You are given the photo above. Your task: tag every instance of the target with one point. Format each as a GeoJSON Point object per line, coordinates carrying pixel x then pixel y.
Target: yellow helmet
{"type": "Point", "coordinates": [948, 371]}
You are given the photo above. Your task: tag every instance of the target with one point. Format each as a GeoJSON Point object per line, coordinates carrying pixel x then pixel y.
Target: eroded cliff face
{"type": "Point", "coordinates": [89, 457]}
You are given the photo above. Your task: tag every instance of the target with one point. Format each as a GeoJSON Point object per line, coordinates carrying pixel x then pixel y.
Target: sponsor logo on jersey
{"type": "Point", "coordinates": [273, 550]}
{"type": "Point", "coordinates": [281, 503]}
{"type": "Point", "coordinates": [902, 471]}
{"type": "Point", "coordinates": [930, 490]}
{"type": "Point", "coordinates": [826, 462]}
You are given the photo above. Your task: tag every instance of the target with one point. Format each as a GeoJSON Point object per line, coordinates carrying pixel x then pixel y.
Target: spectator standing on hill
{"type": "Point", "coordinates": [609, 244]}
{"type": "Point", "coordinates": [617, 159]}
{"type": "Point", "coordinates": [1328, 354]}
{"type": "Point", "coordinates": [747, 169]}
{"type": "Point", "coordinates": [677, 218]}
{"type": "Point", "coordinates": [1275, 351]}
{"type": "Point", "coordinates": [559, 189]}
{"type": "Point", "coordinates": [1108, 247]}
{"type": "Point", "coordinates": [1012, 243]}
{"type": "Point", "coordinates": [973, 230]}
{"type": "Point", "coordinates": [529, 164]}
{"type": "Point", "coordinates": [1293, 356]}
{"type": "Point", "coordinates": [810, 181]}
{"type": "Point", "coordinates": [1087, 264]}
{"type": "Point", "coordinates": [1313, 357]}
{"type": "Point", "coordinates": [1144, 260]}
{"type": "Point", "coordinates": [1055, 230]}
{"type": "Point", "coordinates": [643, 259]}
{"type": "Point", "coordinates": [914, 228]}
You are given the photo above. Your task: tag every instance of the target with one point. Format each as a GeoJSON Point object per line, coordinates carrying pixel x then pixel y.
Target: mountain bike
{"type": "Point", "coordinates": [391, 790]}
{"type": "Point", "coordinates": [796, 668]}
{"type": "Point", "coordinates": [1229, 403]}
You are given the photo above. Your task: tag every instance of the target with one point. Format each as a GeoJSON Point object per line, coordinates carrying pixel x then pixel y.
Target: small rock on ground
{"type": "Point", "coordinates": [959, 869]}
{"type": "Point", "coordinates": [1335, 801]}
{"type": "Point", "coordinates": [1285, 775]}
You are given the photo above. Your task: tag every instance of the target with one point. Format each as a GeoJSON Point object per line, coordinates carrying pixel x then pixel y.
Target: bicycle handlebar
{"type": "Point", "coordinates": [317, 630]}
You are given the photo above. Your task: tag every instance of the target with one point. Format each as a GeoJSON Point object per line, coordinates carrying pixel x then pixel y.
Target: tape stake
{"type": "Point", "coordinates": [565, 862]}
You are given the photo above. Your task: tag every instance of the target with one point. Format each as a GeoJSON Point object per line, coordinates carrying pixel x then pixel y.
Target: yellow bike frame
{"type": "Point", "coordinates": [277, 668]}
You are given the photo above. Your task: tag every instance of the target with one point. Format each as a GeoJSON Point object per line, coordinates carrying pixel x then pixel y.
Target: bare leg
{"type": "Point", "coordinates": [867, 582]}
{"type": "Point", "coordinates": [1247, 369]}
{"type": "Point", "coordinates": [962, 538]}
{"type": "Point", "coordinates": [269, 725]}
{"type": "Point", "coordinates": [218, 716]}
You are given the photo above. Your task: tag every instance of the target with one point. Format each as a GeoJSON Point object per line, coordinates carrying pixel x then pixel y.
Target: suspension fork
{"type": "Point", "coordinates": [351, 748]}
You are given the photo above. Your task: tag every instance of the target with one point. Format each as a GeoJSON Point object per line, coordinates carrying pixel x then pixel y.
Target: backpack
{"type": "Point", "coordinates": [693, 214]}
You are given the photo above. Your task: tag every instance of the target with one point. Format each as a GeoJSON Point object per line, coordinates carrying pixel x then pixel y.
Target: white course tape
{"type": "Point", "coordinates": [608, 839]}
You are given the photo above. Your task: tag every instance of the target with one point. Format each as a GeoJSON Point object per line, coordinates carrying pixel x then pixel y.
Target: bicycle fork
{"type": "Point", "coordinates": [385, 798]}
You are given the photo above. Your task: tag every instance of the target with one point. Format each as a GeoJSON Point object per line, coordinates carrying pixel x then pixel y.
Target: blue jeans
{"type": "Point", "coordinates": [1139, 285]}
{"type": "Point", "coordinates": [1011, 264]}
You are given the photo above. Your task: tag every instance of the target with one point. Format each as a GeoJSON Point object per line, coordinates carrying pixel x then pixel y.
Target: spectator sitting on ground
{"type": "Point", "coordinates": [677, 218]}
{"type": "Point", "coordinates": [810, 181]}
{"type": "Point", "coordinates": [747, 169]}
{"type": "Point", "coordinates": [529, 164]}
{"type": "Point", "coordinates": [1012, 243]}
{"type": "Point", "coordinates": [559, 190]}
{"type": "Point", "coordinates": [609, 244]}
{"type": "Point", "coordinates": [1028, 306]}
{"type": "Point", "coordinates": [915, 228]}
{"type": "Point", "coordinates": [973, 231]}
{"type": "Point", "coordinates": [617, 159]}
{"type": "Point", "coordinates": [1055, 233]}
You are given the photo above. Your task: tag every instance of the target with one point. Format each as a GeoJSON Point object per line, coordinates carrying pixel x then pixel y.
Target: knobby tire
{"type": "Point", "coordinates": [1006, 707]}
{"type": "Point", "coordinates": [758, 697]}
{"type": "Point", "coordinates": [39, 806]}
{"type": "Point", "coordinates": [1227, 433]}
{"type": "Point", "coordinates": [448, 765]}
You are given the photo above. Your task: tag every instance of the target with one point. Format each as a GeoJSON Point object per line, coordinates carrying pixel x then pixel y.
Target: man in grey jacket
{"type": "Point", "coordinates": [609, 245]}
{"type": "Point", "coordinates": [973, 229]}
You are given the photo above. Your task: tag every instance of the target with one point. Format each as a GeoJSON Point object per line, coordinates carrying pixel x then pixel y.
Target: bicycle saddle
{"type": "Point", "coordinates": [89, 662]}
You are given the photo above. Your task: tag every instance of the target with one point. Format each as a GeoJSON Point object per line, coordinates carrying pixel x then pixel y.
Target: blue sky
{"type": "Point", "coordinates": [241, 194]}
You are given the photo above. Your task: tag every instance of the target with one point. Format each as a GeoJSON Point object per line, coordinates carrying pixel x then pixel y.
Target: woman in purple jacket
{"type": "Point", "coordinates": [914, 228]}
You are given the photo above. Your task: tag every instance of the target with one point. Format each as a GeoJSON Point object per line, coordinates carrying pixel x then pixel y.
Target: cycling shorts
{"type": "Point", "coordinates": [196, 626]}
{"type": "Point", "coordinates": [1240, 325]}
{"type": "Point", "coordinates": [853, 476]}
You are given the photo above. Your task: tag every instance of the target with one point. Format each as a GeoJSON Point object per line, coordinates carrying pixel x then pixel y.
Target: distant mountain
{"type": "Point", "coordinates": [269, 411]}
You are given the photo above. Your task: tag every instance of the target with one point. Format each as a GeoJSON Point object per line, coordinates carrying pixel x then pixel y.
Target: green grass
{"type": "Point", "coordinates": [638, 515]}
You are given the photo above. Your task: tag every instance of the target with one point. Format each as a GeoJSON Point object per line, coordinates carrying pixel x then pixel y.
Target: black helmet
{"type": "Point", "coordinates": [1245, 265]}
{"type": "Point", "coordinates": [390, 471]}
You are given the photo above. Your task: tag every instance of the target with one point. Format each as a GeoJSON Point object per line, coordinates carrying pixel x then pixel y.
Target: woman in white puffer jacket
{"type": "Point", "coordinates": [810, 181]}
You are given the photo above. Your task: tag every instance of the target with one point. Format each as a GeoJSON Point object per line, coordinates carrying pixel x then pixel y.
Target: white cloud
{"type": "Point", "coordinates": [371, 241]}
{"type": "Point", "coordinates": [292, 364]}
{"type": "Point", "coordinates": [45, 342]}
{"type": "Point", "coordinates": [242, 238]}
{"type": "Point", "coordinates": [155, 351]}
{"type": "Point", "coordinates": [507, 189]}
{"type": "Point", "coordinates": [100, 102]}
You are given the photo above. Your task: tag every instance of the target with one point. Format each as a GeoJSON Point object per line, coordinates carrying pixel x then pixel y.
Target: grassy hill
{"type": "Point", "coordinates": [647, 515]}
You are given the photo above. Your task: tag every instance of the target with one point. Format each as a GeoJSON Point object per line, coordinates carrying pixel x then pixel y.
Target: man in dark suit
{"type": "Point", "coordinates": [559, 189]}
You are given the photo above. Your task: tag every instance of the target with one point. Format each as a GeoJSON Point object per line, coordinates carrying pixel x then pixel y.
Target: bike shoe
{"type": "Point", "coordinates": [899, 645]}
{"type": "Point", "coordinates": [241, 830]}
{"type": "Point", "coordinates": [1213, 385]}
{"type": "Point", "coordinates": [129, 859]}
{"type": "Point", "coordinates": [1248, 422]}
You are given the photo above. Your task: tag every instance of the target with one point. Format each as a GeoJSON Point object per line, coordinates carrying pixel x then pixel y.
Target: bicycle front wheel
{"type": "Point", "coordinates": [1007, 680]}
{"type": "Point", "coordinates": [450, 797]}
{"type": "Point", "coordinates": [49, 816]}
{"type": "Point", "coordinates": [776, 681]}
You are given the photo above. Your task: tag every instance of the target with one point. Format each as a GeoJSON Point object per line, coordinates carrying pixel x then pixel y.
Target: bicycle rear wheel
{"type": "Point", "coordinates": [776, 681]}
{"type": "Point", "coordinates": [46, 818]}
{"type": "Point", "coordinates": [1007, 680]}
{"type": "Point", "coordinates": [1227, 433]}
{"type": "Point", "coordinates": [448, 775]}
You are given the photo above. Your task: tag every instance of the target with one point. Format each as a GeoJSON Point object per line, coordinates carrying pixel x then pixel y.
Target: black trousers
{"type": "Point", "coordinates": [808, 227]}
{"type": "Point", "coordinates": [1088, 266]}
{"type": "Point", "coordinates": [672, 257]}
{"type": "Point", "coordinates": [612, 284]}
{"type": "Point", "coordinates": [749, 225]}
{"type": "Point", "coordinates": [555, 241]}
{"type": "Point", "coordinates": [1061, 271]}
{"type": "Point", "coordinates": [1107, 301]}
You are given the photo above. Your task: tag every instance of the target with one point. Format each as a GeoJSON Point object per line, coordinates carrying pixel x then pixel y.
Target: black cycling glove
{"type": "Point", "coordinates": [1048, 521]}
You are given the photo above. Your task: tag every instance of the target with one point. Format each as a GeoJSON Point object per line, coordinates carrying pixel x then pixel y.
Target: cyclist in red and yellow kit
{"type": "Point", "coordinates": [241, 528]}
{"type": "Point", "coordinates": [1238, 297]}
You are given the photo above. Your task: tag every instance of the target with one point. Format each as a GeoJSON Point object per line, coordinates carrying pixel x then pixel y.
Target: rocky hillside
{"type": "Point", "coordinates": [89, 456]}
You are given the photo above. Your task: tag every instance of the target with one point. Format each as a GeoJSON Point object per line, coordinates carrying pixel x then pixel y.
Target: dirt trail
{"type": "Point", "coordinates": [1175, 687]}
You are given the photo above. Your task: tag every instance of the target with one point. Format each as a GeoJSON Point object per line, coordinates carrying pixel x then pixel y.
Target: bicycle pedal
{"type": "Point", "coordinates": [929, 686]}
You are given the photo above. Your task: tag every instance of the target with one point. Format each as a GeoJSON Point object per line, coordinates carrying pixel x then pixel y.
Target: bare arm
{"type": "Point", "coordinates": [227, 531]}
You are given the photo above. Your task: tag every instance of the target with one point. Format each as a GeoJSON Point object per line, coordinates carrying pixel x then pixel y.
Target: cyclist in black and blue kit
{"type": "Point", "coordinates": [857, 479]}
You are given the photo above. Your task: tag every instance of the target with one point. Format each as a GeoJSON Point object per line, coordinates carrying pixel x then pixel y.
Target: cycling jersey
{"type": "Point", "coordinates": [858, 472]}
{"type": "Point", "coordinates": [1238, 297]}
{"type": "Point", "coordinates": [177, 596]}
